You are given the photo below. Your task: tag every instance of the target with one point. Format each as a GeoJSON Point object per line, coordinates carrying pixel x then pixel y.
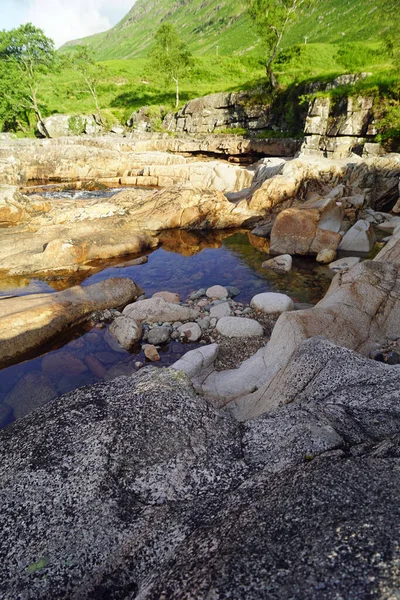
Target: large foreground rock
{"type": "Point", "coordinates": [138, 489]}
{"type": "Point", "coordinates": [28, 322]}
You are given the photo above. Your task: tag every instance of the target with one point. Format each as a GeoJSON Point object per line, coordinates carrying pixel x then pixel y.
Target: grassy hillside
{"type": "Point", "coordinates": [211, 26]}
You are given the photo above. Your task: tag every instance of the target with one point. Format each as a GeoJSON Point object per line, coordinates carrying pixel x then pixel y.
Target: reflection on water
{"type": "Point", "coordinates": [187, 261]}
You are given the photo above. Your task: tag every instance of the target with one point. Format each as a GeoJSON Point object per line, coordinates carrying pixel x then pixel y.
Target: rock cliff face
{"type": "Point", "coordinates": [219, 111]}
{"type": "Point", "coordinates": [336, 130]}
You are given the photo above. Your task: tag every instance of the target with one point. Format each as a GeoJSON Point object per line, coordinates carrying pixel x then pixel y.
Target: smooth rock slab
{"type": "Point", "coordinates": [126, 331]}
{"type": "Point", "coordinates": [271, 303]}
{"type": "Point", "coordinates": [344, 264]}
{"type": "Point", "coordinates": [28, 322]}
{"type": "Point", "coordinates": [194, 361]}
{"type": "Point", "coordinates": [157, 310]}
{"type": "Point", "coordinates": [238, 327]}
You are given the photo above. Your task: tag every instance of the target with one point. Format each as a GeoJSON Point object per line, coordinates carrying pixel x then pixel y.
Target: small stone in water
{"type": "Point", "coordinates": [198, 294]}
{"type": "Point", "coordinates": [151, 353]}
{"type": "Point", "coordinates": [217, 291]}
{"type": "Point", "coordinates": [232, 291]}
{"type": "Point", "coordinates": [138, 365]}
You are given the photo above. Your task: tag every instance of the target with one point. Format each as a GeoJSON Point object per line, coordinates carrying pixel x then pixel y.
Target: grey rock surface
{"type": "Point", "coordinates": [159, 335]}
{"type": "Point", "coordinates": [138, 489]}
{"type": "Point", "coordinates": [154, 310]}
{"type": "Point", "coordinates": [360, 238]}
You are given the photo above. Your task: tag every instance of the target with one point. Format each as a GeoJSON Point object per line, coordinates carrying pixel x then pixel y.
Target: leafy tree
{"type": "Point", "coordinates": [170, 57]}
{"type": "Point", "coordinates": [82, 61]}
{"type": "Point", "coordinates": [272, 18]}
{"type": "Point", "coordinates": [26, 54]}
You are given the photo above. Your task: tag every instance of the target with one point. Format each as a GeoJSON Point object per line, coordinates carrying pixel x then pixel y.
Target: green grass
{"type": "Point", "coordinates": [223, 26]}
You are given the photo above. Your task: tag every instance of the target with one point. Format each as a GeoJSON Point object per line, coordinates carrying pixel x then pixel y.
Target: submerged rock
{"type": "Point", "coordinates": [126, 331]}
{"type": "Point", "coordinates": [280, 264]}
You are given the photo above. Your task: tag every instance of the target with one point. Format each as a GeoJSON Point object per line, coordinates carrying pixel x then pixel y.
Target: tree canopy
{"type": "Point", "coordinates": [272, 18]}
{"type": "Point", "coordinates": [170, 57]}
{"type": "Point", "coordinates": [25, 54]}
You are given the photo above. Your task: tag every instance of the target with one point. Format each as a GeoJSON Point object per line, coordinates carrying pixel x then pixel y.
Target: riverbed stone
{"type": "Point", "coordinates": [223, 309]}
{"type": "Point", "coordinates": [62, 362]}
{"type": "Point", "coordinates": [156, 310]}
{"type": "Point", "coordinates": [280, 264]}
{"type": "Point", "coordinates": [360, 238]}
{"type": "Point", "coordinates": [192, 331]}
{"type": "Point", "coordinates": [159, 335]}
{"type": "Point", "coordinates": [272, 303]}
{"type": "Point", "coordinates": [238, 327]}
{"type": "Point", "coordinates": [217, 291]}
{"type": "Point", "coordinates": [326, 256]}
{"type": "Point", "coordinates": [126, 331]}
{"type": "Point", "coordinates": [150, 352]}
{"type": "Point", "coordinates": [33, 390]}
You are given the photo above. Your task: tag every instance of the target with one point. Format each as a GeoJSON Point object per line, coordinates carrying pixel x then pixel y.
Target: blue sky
{"type": "Point", "coordinates": [63, 20]}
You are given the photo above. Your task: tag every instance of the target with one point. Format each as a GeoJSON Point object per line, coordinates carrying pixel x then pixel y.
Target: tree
{"type": "Point", "coordinates": [170, 57]}
{"type": "Point", "coordinates": [272, 18]}
{"type": "Point", "coordinates": [26, 54]}
{"type": "Point", "coordinates": [82, 61]}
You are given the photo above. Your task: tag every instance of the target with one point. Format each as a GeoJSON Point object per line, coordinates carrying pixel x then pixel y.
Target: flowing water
{"type": "Point", "coordinates": [184, 263]}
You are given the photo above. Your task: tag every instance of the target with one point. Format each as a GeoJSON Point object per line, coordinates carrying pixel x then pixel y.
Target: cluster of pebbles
{"type": "Point", "coordinates": [213, 315]}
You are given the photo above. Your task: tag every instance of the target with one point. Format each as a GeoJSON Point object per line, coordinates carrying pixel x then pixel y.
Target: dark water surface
{"type": "Point", "coordinates": [185, 263]}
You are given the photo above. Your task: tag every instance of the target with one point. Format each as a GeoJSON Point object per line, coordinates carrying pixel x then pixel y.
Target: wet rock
{"type": "Point", "coordinates": [326, 256]}
{"type": "Point", "coordinates": [203, 323]}
{"type": "Point", "coordinates": [393, 358]}
{"type": "Point", "coordinates": [344, 264]}
{"type": "Point", "coordinates": [126, 331]}
{"type": "Point", "coordinates": [28, 322]}
{"type": "Point", "coordinates": [62, 362]}
{"type": "Point", "coordinates": [120, 370]}
{"type": "Point", "coordinates": [159, 335]}
{"type": "Point", "coordinates": [238, 327]}
{"type": "Point", "coordinates": [271, 303]}
{"type": "Point", "coordinates": [198, 294]}
{"type": "Point", "coordinates": [32, 391]}
{"type": "Point", "coordinates": [191, 331]}
{"type": "Point", "coordinates": [232, 291]}
{"type": "Point", "coordinates": [280, 264]}
{"type": "Point", "coordinates": [220, 310]}
{"type": "Point", "coordinates": [6, 414]}
{"type": "Point", "coordinates": [360, 238]}
{"type": "Point", "coordinates": [151, 353]}
{"type": "Point", "coordinates": [106, 358]}
{"type": "Point", "coordinates": [168, 297]}
{"type": "Point", "coordinates": [157, 310]}
{"type": "Point", "coordinates": [217, 291]}
{"type": "Point", "coordinates": [68, 383]}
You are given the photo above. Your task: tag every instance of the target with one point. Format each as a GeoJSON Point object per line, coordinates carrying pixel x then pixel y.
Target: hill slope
{"type": "Point", "coordinates": [222, 26]}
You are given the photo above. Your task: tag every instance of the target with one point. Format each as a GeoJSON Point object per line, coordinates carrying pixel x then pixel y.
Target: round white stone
{"type": "Point", "coordinates": [217, 291]}
{"type": "Point", "coordinates": [271, 303]}
{"type": "Point", "coordinates": [237, 327]}
{"type": "Point", "coordinates": [192, 331]}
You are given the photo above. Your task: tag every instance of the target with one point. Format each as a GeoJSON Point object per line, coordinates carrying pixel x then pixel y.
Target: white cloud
{"type": "Point", "coordinates": [64, 20]}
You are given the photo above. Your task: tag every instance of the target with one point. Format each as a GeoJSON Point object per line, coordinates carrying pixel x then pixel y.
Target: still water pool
{"type": "Point", "coordinates": [184, 263]}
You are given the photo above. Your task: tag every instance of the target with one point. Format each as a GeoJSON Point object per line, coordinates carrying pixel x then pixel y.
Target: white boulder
{"type": "Point", "coordinates": [238, 327]}
{"type": "Point", "coordinates": [272, 303]}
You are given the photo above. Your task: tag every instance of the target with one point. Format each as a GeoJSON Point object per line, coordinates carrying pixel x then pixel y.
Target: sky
{"type": "Point", "coordinates": [64, 20]}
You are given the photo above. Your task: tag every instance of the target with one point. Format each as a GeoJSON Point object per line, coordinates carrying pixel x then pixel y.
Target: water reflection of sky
{"type": "Point", "coordinates": [178, 267]}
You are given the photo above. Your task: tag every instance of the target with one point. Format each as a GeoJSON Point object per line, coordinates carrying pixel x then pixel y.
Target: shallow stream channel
{"type": "Point", "coordinates": [185, 262]}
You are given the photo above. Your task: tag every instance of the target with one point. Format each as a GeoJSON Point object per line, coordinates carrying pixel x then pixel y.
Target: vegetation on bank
{"type": "Point", "coordinates": [113, 89]}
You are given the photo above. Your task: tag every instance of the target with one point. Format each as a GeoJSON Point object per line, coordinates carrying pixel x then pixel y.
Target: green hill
{"type": "Point", "coordinates": [223, 27]}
